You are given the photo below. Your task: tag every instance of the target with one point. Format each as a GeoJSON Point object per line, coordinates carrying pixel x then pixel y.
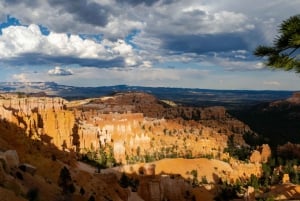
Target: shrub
{"type": "Point", "coordinates": [19, 175]}
{"type": "Point", "coordinates": [32, 194]}
{"type": "Point", "coordinates": [82, 191]}
{"type": "Point", "coordinates": [204, 180]}
{"type": "Point", "coordinates": [92, 198]}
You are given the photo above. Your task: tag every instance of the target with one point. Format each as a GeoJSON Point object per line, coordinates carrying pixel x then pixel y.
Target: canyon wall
{"type": "Point", "coordinates": [129, 134]}
{"type": "Point", "coordinates": [42, 118]}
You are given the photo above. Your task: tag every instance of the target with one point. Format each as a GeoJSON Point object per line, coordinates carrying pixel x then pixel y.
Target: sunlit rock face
{"type": "Point", "coordinates": [130, 124]}
{"type": "Point", "coordinates": [48, 120]}
{"type": "Point", "coordinates": [42, 117]}
{"type": "Point", "coordinates": [261, 155]}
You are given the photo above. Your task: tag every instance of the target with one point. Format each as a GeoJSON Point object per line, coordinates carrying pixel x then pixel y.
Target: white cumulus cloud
{"type": "Point", "coordinates": [58, 71]}
{"type": "Point", "coordinates": [21, 41]}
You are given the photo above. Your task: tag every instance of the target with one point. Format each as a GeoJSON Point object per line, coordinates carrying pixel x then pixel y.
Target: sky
{"type": "Point", "coordinates": [160, 43]}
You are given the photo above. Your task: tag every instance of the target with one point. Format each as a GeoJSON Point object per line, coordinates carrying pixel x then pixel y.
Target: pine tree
{"type": "Point", "coordinates": [284, 54]}
{"type": "Point", "coordinates": [65, 181]}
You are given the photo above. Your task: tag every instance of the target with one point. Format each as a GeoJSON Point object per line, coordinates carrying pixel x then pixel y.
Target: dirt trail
{"type": "Point", "coordinates": [85, 167]}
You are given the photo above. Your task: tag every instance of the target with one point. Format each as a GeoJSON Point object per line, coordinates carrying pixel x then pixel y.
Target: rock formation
{"type": "Point", "coordinates": [125, 125]}
{"type": "Point", "coordinates": [250, 194]}
{"type": "Point", "coordinates": [134, 128]}
{"type": "Point", "coordinates": [255, 157]}
{"type": "Point", "coordinates": [10, 158]}
{"type": "Point", "coordinates": [265, 153]}
{"type": "Point", "coordinates": [285, 178]}
{"type": "Point", "coordinates": [261, 155]}
{"type": "Point", "coordinates": [42, 118]}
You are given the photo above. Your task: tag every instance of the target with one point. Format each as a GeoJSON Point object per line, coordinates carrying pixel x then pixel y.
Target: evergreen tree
{"type": "Point", "coordinates": [76, 137]}
{"type": "Point", "coordinates": [92, 198]}
{"type": "Point", "coordinates": [124, 181]}
{"type": "Point", "coordinates": [284, 54]}
{"type": "Point", "coordinates": [65, 181]}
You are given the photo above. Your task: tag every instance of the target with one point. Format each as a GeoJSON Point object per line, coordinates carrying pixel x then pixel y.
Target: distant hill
{"type": "Point", "coordinates": [231, 99]}
{"type": "Point", "coordinates": [277, 121]}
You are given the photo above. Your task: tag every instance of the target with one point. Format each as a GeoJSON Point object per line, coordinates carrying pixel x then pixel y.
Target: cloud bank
{"type": "Point", "coordinates": [27, 45]}
{"type": "Point", "coordinates": [148, 40]}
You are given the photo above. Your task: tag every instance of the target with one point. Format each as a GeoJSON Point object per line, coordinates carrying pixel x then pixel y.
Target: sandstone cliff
{"type": "Point", "coordinates": [125, 125]}
{"type": "Point", "coordinates": [43, 118]}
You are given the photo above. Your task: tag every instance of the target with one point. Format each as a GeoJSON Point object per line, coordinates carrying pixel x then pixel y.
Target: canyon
{"type": "Point", "coordinates": [124, 125]}
{"type": "Point", "coordinates": [156, 142]}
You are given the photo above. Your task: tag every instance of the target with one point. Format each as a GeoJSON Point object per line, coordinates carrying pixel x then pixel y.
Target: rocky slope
{"type": "Point", "coordinates": [30, 170]}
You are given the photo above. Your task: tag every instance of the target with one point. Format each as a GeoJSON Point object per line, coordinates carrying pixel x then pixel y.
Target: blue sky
{"type": "Point", "coordinates": [173, 43]}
